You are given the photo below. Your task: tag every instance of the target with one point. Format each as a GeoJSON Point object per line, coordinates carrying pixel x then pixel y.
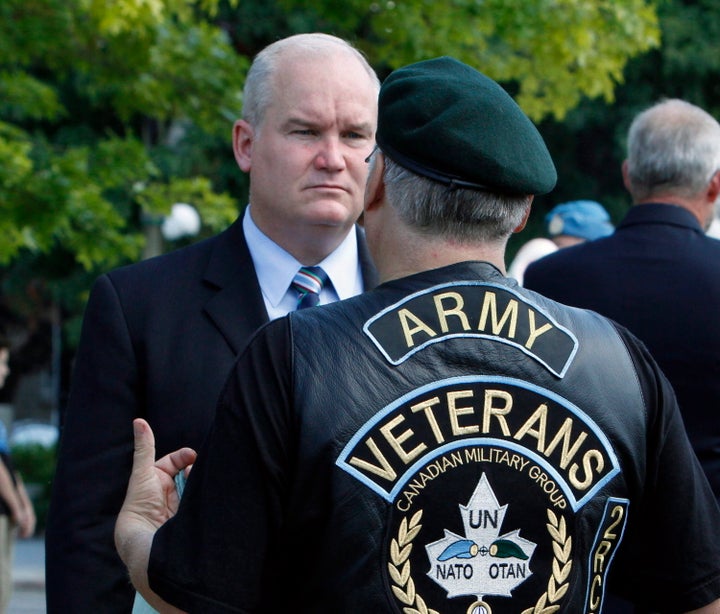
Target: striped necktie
{"type": "Point", "coordinates": [308, 281]}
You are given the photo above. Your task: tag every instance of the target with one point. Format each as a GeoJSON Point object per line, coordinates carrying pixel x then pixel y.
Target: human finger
{"type": "Point", "coordinates": [177, 461]}
{"type": "Point", "coordinates": [144, 454]}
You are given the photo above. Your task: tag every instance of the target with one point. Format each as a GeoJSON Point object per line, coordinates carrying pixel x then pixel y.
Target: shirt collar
{"type": "Point", "coordinates": [660, 213]}
{"type": "Point", "coordinates": [339, 263]}
{"type": "Point", "coordinates": [275, 267]}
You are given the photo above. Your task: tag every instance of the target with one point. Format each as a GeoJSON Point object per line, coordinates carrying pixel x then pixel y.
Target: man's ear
{"type": "Point", "coordinates": [375, 186]}
{"type": "Point", "coordinates": [525, 218]}
{"type": "Point", "coordinates": [626, 176]}
{"type": "Point", "coordinates": [243, 138]}
{"type": "Point", "coordinates": [713, 189]}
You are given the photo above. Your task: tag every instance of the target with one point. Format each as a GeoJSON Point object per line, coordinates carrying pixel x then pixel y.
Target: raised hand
{"type": "Point", "coordinates": [152, 496]}
{"type": "Point", "coordinates": [150, 501]}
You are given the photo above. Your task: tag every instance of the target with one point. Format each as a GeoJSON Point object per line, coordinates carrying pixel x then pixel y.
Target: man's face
{"type": "Point", "coordinates": [307, 160]}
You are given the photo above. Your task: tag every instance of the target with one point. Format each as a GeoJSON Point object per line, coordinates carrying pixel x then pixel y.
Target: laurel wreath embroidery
{"type": "Point", "coordinates": [557, 585]}
{"type": "Point", "coordinates": [399, 567]}
{"type": "Point", "coordinates": [404, 586]}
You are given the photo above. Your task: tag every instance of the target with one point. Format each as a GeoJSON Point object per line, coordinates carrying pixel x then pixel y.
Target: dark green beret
{"type": "Point", "coordinates": [446, 121]}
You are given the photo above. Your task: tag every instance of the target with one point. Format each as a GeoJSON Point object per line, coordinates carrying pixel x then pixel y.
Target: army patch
{"type": "Point", "coordinates": [484, 477]}
{"type": "Point", "coordinates": [471, 309]}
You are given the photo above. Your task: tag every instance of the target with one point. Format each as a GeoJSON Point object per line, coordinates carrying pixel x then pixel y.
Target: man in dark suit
{"type": "Point", "coordinates": [160, 337]}
{"type": "Point", "coordinates": [659, 274]}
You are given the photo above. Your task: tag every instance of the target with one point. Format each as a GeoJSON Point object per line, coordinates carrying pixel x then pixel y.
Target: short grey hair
{"type": "Point", "coordinates": [258, 91]}
{"type": "Point", "coordinates": [462, 214]}
{"type": "Point", "coordinates": [673, 147]}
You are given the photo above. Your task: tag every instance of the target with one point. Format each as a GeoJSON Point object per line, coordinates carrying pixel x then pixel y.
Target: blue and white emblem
{"type": "Point", "coordinates": [482, 562]}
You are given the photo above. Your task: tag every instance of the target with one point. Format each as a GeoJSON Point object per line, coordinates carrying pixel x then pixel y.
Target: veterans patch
{"type": "Point", "coordinates": [484, 476]}
{"type": "Point", "coordinates": [471, 309]}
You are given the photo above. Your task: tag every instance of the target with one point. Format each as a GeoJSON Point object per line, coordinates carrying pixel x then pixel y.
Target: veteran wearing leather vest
{"type": "Point", "coordinates": [447, 442]}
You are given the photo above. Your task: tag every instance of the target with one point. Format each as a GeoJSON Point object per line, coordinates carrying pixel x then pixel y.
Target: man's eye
{"type": "Point", "coordinates": [305, 132]}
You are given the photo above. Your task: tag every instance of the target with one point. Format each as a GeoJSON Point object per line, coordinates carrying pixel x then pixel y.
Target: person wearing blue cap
{"type": "Point", "coordinates": [576, 221]}
{"type": "Point", "coordinates": [566, 224]}
{"type": "Point", "coordinates": [448, 442]}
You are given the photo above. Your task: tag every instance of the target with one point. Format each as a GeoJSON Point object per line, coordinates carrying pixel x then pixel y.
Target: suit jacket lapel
{"type": "Point", "coordinates": [237, 309]}
{"type": "Point", "coordinates": [369, 273]}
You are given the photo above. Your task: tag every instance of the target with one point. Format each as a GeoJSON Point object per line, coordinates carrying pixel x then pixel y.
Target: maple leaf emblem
{"type": "Point", "coordinates": [481, 562]}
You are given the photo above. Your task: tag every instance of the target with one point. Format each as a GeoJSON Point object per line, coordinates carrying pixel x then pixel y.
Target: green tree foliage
{"type": "Point", "coordinates": [554, 52]}
{"type": "Point", "coordinates": [105, 107]}
{"type": "Point", "coordinates": [112, 111]}
{"type": "Point", "coordinates": [91, 94]}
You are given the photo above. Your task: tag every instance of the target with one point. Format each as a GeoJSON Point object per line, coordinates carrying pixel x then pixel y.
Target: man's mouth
{"type": "Point", "coordinates": [327, 186]}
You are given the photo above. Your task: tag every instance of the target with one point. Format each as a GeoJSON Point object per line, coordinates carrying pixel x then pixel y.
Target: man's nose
{"type": "Point", "coordinates": [330, 155]}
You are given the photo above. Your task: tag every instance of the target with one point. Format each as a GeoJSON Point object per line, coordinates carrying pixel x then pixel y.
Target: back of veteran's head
{"type": "Point", "coordinates": [308, 123]}
{"type": "Point", "coordinates": [674, 158]}
{"type": "Point", "coordinates": [455, 172]}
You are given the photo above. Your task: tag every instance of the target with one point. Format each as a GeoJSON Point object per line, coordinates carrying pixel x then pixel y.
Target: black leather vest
{"type": "Point", "coordinates": [464, 445]}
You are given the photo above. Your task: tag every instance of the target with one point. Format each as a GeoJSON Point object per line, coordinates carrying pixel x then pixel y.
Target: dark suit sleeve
{"type": "Point", "coordinates": [536, 278]}
{"type": "Point", "coordinates": [83, 570]}
{"type": "Point", "coordinates": [369, 272]}
{"type": "Point", "coordinates": [222, 551]}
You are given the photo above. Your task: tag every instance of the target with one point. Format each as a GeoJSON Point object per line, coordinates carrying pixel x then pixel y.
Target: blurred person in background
{"type": "Point", "coordinates": [566, 224]}
{"type": "Point", "coordinates": [17, 515]}
{"type": "Point", "coordinates": [658, 274]}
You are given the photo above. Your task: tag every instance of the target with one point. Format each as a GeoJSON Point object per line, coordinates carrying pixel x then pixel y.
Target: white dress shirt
{"type": "Point", "coordinates": [275, 269]}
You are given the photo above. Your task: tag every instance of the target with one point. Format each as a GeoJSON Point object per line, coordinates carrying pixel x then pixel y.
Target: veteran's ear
{"type": "Point", "coordinates": [375, 186]}
{"type": "Point", "coordinates": [526, 217]}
